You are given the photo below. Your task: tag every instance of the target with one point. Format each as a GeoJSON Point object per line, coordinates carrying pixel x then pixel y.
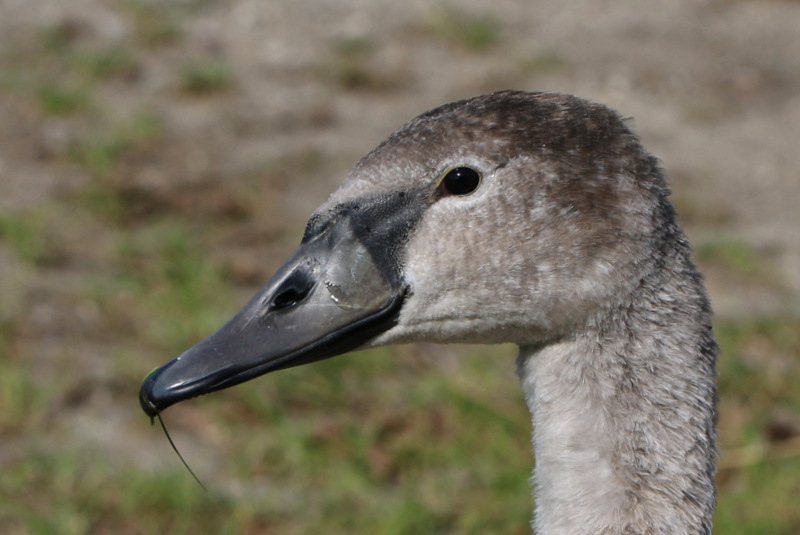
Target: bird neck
{"type": "Point", "coordinates": [625, 423]}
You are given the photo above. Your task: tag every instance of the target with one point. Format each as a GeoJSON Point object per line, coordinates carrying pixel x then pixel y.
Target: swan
{"type": "Point", "coordinates": [532, 218]}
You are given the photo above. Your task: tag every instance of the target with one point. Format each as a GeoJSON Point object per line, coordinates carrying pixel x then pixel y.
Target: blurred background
{"type": "Point", "coordinates": [158, 161]}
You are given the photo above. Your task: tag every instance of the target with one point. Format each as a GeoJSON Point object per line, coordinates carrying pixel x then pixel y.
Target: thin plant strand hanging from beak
{"type": "Point", "coordinates": [171, 443]}
{"type": "Point", "coordinates": [174, 447]}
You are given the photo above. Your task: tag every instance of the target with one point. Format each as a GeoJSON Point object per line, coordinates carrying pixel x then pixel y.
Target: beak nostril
{"type": "Point", "coordinates": [293, 290]}
{"type": "Point", "coordinates": [286, 299]}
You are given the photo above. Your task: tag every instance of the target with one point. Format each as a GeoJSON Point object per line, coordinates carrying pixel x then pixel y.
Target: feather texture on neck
{"type": "Point", "coordinates": [624, 413]}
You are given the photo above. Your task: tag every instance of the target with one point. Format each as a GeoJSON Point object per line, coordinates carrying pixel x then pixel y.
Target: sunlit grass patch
{"type": "Point", "coordinates": [205, 76]}
{"type": "Point", "coordinates": [60, 35]}
{"type": "Point", "coordinates": [156, 23]}
{"type": "Point", "coordinates": [761, 499]}
{"type": "Point", "coordinates": [70, 493]}
{"type": "Point", "coordinates": [68, 63]}
{"type": "Point", "coordinates": [25, 236]}
{"type": "Point", "coordinates": [544, 62]}
{"type": "Point", "coordinates": [759, 377]}
{"type": "Point", "coordinates": [735, 255]}
{"type": "Point", "coordinates": [57, 98]}
{"type": "Point", "coordinates": [30, 236]}
{"type": "Point", "coordinates": [350, 64]}
{"type": "Point", "coordinates": [21, 399]}
{"type": "Point", "coordinates": [105, 63]}
{"type": "Point", "coordinates": [180, 295]}
{"type": "Point", "coordinates": [761, 359]}
{"type": "Point", "coordinates": [19, 396]}
{"type": "Point", "coordinates": [472, 32]}
{"type": "Point", "coordinates": [101, 157]}
{"type": "Point", "coordinates": [693, 212]}
{"type": "Point", "coordinates": [354, 66]}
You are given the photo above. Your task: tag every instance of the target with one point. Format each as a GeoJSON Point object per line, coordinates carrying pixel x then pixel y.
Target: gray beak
{"type": "Point", "coordinates": [335, 294]}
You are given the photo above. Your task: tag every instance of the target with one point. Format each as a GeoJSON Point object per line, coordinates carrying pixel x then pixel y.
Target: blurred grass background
{"type": "Point", "coordinates": [158, 161]}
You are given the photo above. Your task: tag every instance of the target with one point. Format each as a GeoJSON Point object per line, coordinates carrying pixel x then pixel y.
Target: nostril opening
{"type": "Point", "coordinates": [293, 290]}
{"type": "Point", "coordinates": [286, 299]}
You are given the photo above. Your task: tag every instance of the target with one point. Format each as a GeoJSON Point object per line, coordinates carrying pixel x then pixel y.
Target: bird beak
{"type": "Point", "coordinates": [331, 297]}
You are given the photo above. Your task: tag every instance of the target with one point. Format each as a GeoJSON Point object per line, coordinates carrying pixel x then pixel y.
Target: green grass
{"type": "Point", "coordinates": [101, 157]}
{"type": "Point", "coordinates": [88, 495]}
{"type": "Point", "coordinates": [760, 360]}
{"type": "Point", "coordinates": [544, 62]}
{"type": "Point", "coordinates": [30, 236]}
{"type": "Point", "coordinates": [476, 33]}
{"type": "Point", "coordinates": [25, 236]}
{"type": "Point", "coordinates": [759, 370]}
{"type": "Point", "coordinates": [205, 76]}
{"type": "Point", "coordinates": [763, 499]}
{"type": "Point", "coordinates": [350, 65]}
{"type": "Point", "coordinates": [759, 374]}
{"type": "Point", "coordinates": [104, 63]}
{"type": "Point", "coordinates": [353, 66]}
{"type": "Point", "coordinates": [165, 291]}
{"type": "Point", "coordinates": [20, 396]}
{"type": "Point", "coordinates": [156, 24]}
{"type": "Point", "coordinates": [61, 98]}
{"type": "Point", "coordinates": [735, 255]}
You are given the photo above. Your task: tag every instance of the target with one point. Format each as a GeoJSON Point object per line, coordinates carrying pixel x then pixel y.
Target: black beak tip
{"type": "Point", "coordinates": [165, 386]}
{"type": "Point", "coordinates": [148, 394]}
{"type": "Point", "coordinates": [148, 406]}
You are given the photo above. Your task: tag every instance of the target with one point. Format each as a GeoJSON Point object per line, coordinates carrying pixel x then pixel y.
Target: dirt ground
{"type": "Point", "coordinates": [286, 96]}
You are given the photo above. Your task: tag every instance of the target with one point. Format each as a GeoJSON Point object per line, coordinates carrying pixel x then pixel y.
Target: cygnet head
{"type": "Point", "coordinates": [511, 217]}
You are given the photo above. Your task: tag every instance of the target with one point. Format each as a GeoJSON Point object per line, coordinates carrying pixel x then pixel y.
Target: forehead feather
{"type": "Point", "coordinates": [580, 138]}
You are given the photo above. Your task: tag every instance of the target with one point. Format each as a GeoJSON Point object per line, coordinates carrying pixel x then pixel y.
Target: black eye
{"type": "Point", "coordinates": [460, 181]}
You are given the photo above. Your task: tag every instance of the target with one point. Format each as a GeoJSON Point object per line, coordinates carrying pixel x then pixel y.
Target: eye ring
{"type": "Point", "coordinates": [460, 181]}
